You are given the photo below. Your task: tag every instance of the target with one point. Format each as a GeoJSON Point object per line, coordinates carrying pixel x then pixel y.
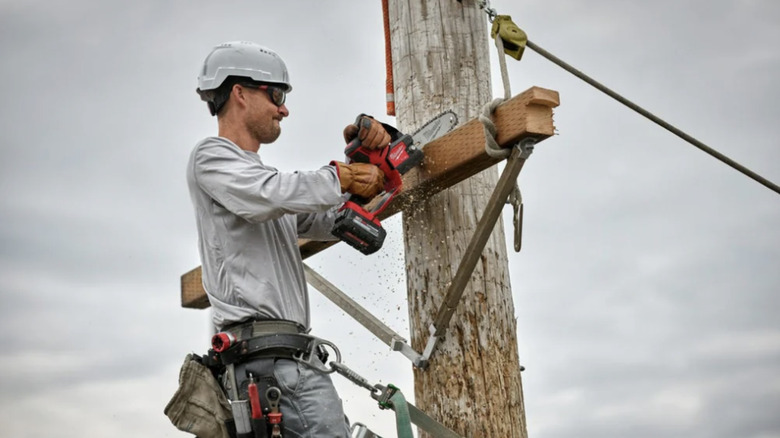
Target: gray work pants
{"type": "Point", "coordinates": [310, 405]}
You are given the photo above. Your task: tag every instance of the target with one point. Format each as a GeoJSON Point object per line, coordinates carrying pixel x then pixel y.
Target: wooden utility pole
{"type": "Point", "coordinates": [441, 61]}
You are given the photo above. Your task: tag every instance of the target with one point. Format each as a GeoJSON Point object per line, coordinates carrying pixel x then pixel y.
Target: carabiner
{"type": "Point", "coordinates": [312, 358]}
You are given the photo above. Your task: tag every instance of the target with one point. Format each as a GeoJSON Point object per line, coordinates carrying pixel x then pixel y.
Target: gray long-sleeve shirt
{"type": "Point", "coordinates": [249, 217]}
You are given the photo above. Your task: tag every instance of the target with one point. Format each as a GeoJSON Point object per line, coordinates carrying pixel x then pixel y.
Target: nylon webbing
{"type": "Point", "coordinates": [403, 421]}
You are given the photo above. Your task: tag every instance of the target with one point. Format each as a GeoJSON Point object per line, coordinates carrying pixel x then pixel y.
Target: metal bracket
{"type": "Point", "coordinates": [363, 316]}
{"type": "Point", "coordinates": [527, 147]}
{"type": "Point", "coordinates": [360, 430]}
{"type": "Point", "coordinates": [399, 344]}
{"type": "Point", "coordinates": [433, 342]}
{"type": "Point", "coordinates": [504, 186]}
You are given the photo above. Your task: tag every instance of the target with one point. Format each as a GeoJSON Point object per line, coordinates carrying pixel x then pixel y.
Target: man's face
{"type": "Point", "coordinates": [263, 116]}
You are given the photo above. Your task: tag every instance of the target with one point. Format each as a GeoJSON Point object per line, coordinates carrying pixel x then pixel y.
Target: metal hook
{"type": "Point", "coordinates": [311, 357]}
{"type": "Point", "coordinates": [516, 199]}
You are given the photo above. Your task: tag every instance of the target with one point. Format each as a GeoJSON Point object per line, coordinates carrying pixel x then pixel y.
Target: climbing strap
{"type": "Point", "coordinates": [390, 397]}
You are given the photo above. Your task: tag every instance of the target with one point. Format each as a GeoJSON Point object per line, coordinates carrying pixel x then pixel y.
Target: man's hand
{"type": "Point", "coordinates": [371, 133]}
{"type": "Point", "coordinates": [361, 179]}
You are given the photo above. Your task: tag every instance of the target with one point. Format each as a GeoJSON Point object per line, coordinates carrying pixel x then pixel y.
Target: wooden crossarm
{"type": "Point", "coordinates": [449, 160]}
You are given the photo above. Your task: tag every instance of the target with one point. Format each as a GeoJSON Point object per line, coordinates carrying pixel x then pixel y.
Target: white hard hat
{"type": "Point", "coordinates": [245, 59]}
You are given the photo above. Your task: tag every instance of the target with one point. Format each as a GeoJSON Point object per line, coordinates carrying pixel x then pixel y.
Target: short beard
{"type": "Point", "coordinates": [264, 134]}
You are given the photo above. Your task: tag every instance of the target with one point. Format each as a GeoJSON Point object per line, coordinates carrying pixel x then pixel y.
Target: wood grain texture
{"type": "Point", "coordinates": [192, 294]}
{"type": "Point", "coordinates": [441, 61]}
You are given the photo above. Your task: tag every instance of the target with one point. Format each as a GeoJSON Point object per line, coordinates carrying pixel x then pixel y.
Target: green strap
{"type": "Point", "coordinates": [403, 422]}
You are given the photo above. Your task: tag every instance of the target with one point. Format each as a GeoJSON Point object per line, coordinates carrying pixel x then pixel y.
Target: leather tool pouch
{"type": "Point", "coordinates": [199, 406]}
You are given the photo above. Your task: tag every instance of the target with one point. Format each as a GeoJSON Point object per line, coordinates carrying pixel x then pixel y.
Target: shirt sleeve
{"type": "Point", "coordinates": [317, 226]}
{"type": "Point", "coordinates": [245, 186]}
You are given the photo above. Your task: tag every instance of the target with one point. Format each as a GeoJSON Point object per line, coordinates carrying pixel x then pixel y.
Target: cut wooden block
{"type": "Point", "coordinates": [192, 293]}
{"type": "Point", "coordinates": [449, 160]}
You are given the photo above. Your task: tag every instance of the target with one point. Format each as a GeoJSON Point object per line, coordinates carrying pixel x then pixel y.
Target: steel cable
{"type": "Point", "coordinates": [669, 127]}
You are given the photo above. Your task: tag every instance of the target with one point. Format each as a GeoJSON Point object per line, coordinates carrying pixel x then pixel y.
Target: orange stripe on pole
{"type": "Point", "coordinates": [389, 87]}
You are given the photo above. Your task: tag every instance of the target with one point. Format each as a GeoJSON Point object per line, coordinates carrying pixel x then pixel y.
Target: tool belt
{"type": "Point", "coordinates": [242, 360]}
{"type": "Point", "coordinates": [265, 338]}
{"type": "Point", "coordinates": [247, 352]}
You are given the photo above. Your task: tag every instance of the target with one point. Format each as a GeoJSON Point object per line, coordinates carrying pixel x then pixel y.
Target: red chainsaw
{"type": "Point", "coordinates": [359, 227]}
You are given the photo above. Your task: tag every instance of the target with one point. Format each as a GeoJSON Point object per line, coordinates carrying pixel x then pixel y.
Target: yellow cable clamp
{"type": "Point", "coordinates": [513, 37]}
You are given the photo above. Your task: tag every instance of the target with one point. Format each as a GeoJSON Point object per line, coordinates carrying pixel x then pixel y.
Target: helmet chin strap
{"type": "Point", "coordinates": [215, 106]}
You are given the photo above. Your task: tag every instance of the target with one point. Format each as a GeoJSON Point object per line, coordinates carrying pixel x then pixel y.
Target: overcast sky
{"type": "Point", "coordinates": [646, 293]}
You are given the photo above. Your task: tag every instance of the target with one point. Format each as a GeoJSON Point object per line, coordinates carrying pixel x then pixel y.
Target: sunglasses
{"type": "Point", "coordinates": [276, 94]}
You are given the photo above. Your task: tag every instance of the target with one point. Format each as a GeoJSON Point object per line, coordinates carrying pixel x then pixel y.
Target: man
{"type": "Point", "coordinates": [249, 217]}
